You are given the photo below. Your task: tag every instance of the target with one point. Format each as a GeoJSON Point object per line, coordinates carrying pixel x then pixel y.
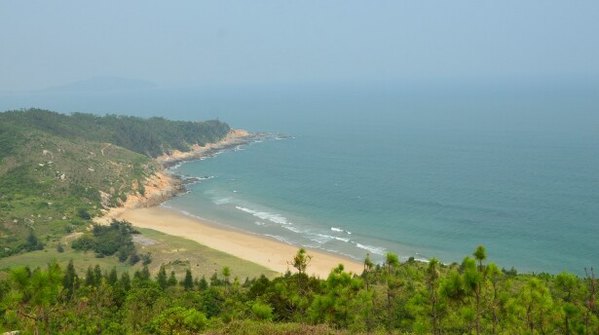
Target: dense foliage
{"type": "Point", "coordinates": [474, 297]}
{"type": "Point", "coordinates": [152, 137]}
{"type": "Point", "coordinates": [109, 240]}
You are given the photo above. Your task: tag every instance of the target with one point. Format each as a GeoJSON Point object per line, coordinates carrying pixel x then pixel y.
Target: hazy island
{"type": "Point", "coordinates": [84, 249]}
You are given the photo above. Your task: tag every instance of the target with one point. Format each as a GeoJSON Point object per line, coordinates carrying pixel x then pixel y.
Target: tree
{"type": "Point", "coordinates": [125, 281]}
{"type": "Point", "coordinates": [432, 281]}
{"type": "Point", "coordinates": [70, 280]}
{"type": "Point", "coordinates": [537, 301]}
{"type": "Point", "coordinates": [301, 260]}
{"type": "Point", "coordinates": [391, 261]}
{"type": "Point", "coordinates": [494, 275]}
{"type": "Point", "coordinates": [113, 277]}
{"type": "Point", "coordinates": [161, 278]}
{"type": "Point", "coordinates": [90, 277]}
{"type": "Point", "coordinates": [480, 254]}
{"type": "Point", "coordinates": [567, 283]}
{"type": "Point", "coordinates": [188, 281]}
{"type": "Point", "coordinates": [473, 282]}
{"type": "Point", "coordinates": [32, 242]}
{"type": "Point", "coordinates": [203, 284]}
{"type": "Point", "coordinates": [368, 265]}
{"type": "Point", "coordinates": [335, 304]}
{"type": "Point", "coordinates": [172, 280]}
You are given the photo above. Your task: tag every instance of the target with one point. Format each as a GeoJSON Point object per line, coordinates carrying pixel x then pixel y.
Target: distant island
{"type": "Point", "coordinates": [78, 197]}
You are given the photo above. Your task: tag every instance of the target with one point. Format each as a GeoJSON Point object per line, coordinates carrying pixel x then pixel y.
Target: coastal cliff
{"type": "Point", "coordinates": [162, 185]}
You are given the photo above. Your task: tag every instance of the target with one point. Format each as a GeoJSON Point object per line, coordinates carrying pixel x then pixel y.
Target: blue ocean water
{"type": "Point", "coordinates": [419, 172]}
{"type": "Point", "coordinates": [533, 206]}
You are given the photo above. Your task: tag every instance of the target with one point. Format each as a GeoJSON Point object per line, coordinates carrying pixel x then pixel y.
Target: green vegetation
{"type": "Point", "coordinates": [108, 240]}
{"type": "Point", "coordinates": [58, 171]}
{"type": "Point", "coordinates": [473, 297]}
{"type": "Point", "coordinates": [151, 137]}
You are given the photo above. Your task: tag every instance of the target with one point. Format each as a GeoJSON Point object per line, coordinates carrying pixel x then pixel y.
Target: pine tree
{"type": "Point", "coordinates": [70, 280]}
{"type": "Point", "coordinates": [98, 274]}
{"type": "Point", "coordinates": [203, 284]}
{"type": "Point", "coordinates": [172, 280]}
{"type": "Point", "coordinates": [90, 277]}
{"type": "Point", "coordinates": [432, 280]}
{"type": "Point", "coordinates": [125, 281]}
{"type": "Point", "coordinates": [161, 278]}
{"type": "Point", "coordinates": [113, 277]}
{"type": "Point", "coordinates": [188, 281]}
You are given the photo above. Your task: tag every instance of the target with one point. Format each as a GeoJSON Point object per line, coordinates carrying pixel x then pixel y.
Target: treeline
{"type": "Point", "coordinates": [474, 297]}
{"type": "Point", "coordinates": [152, 137]}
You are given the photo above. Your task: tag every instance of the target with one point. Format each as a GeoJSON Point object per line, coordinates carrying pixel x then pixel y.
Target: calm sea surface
{"type": "Point", "coordinates": [419, 173]}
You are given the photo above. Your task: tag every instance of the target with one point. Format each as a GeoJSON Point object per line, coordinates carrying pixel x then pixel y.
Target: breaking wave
{"type": "Point", "coordinates": [272, 217]}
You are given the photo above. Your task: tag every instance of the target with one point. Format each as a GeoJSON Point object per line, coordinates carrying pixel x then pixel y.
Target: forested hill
{"type": "Point", "coordinates": [57, 171]}
{"type": "Point", "coordinates": [150, 137]}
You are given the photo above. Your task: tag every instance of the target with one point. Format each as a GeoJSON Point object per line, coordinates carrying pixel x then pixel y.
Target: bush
{"type": "Point", "coordinates": [84, 214]}
{"type": "Point", "coordinates": [84, 243]}
{"type": "Point", "coordinates": [262, 311]}
{"type": "Point", "coordinates": [134, 258]}
{"type": "Point", "coordinates": [108, 240]}
{"type": "Point", "coordinates": [32, 242]}
{"type": "Point", "coordinates": [178, 320]}
{"type": "Point", "coordinates": [146, 259]}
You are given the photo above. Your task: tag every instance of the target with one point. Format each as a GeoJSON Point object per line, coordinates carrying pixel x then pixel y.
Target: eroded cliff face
{"type": "Point", "coordinates": [157, 188]}
{"type": "Point", "coordinates": [161, 186]}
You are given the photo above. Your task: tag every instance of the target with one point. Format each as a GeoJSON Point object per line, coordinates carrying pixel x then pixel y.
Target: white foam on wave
{"type": "Point", "coordinates": [320, 238]}
{"type": "Point", "coordinates": [279, 238]}
{"type": "Point", "coordinates": [339, 230]}
{"type": "Point", "coordinates": [259, 223]}
{"type": "Point", "coordinates": [374, 250]}
{"type": "Point", "coordinates": [273, 217]}
{"type": "Point", "coordinates": [222, 201]}
{"type": "Point", "coordinates": [324, 238]}
{"type": "Point", "coordinates": [293, 229]}
{"type": "Point", "coordinates": [342, 239]}
{"type": "Point", "coordinates": [175, 167]}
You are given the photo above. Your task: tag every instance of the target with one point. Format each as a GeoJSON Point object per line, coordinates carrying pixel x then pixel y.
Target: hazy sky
{"type": "Point", "coordinates": [47, 43]}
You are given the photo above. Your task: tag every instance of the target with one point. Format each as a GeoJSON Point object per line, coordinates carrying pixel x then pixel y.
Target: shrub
{"type": "Point", "coordinates": [262, 311]}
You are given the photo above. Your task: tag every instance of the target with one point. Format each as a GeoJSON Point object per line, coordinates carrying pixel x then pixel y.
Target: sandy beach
{"type": "Point", "coordinates": [266, 252]}
{"type": "Point", "coordinates": [144, 211]}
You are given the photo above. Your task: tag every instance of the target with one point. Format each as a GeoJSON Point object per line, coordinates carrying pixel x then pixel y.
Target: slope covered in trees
{"type": "Point", "coordinates": [152, 137]}
{"type": "Point", "coordinates": [474, 297]}
{"type": "Point", "coordinates": [57, 171]}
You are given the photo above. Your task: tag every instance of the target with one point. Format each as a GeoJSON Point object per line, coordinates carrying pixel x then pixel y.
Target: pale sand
{"type": "Point", "coordinates": [260, 250]}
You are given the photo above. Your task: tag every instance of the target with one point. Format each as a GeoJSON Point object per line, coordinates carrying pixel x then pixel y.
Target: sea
{"type": "Point", "coordinates": [419, 170]}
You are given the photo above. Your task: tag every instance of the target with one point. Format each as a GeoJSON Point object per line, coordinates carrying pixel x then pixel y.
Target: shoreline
{"type": "Point", "coordinates": [272, 254]}
{"type": "Point", "coordinates": [144, 211]}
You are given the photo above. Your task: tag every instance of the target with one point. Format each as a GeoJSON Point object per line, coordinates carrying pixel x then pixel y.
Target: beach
{"type": "Point", "coordinates": [260, 250]}
{"type": "Point", "coordinates": [144, 211]}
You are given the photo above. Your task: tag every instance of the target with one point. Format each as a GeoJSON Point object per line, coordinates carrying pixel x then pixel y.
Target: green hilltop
{"type": "Point", "coordinates": [57, 171]}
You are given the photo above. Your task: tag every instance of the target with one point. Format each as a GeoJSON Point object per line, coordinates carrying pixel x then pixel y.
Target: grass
{"type": "Point", "coordinates": [177, 254]}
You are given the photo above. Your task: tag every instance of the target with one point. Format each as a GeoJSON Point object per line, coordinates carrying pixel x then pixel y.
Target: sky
{"type": "Point", "coordinates": [189, 43]}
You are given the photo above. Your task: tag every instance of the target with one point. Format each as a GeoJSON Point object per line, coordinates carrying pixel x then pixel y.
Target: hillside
{"type": "Point", "coordinates": [57, 171]}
